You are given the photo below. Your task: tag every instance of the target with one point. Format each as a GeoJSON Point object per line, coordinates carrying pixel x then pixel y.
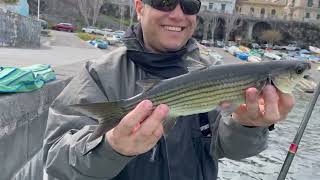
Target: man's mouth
{"type": "Point", "coordinates": [174, 28]}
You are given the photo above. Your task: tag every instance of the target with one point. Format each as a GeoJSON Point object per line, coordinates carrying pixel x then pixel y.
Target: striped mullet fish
{"type": "Point", "coordinates": [199, 91]}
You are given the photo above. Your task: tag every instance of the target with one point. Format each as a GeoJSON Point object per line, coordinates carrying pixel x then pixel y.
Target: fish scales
{"type": "Point", "coordinates": [192, 89]}
{"type": "Point", "coordinates": [203, 92]}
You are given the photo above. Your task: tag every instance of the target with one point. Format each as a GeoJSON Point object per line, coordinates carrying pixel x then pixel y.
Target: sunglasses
{"type": "Point", "coordinates": [189, 7]}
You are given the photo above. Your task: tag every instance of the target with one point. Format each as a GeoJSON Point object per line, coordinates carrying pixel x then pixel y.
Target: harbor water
{"type": "Point", "coordinates": [266, 165]}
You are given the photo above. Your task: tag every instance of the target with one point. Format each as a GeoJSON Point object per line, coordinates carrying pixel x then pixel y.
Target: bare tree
{"type": "Point", "coordinates": [232, 22]}
{"type": "Point", "coordinates": [96, 6]}
{"type": "Point", "coordinates": [90, 10]}
{"type": "Point", "coordinates": [215, 22]}
{"type": "Point", "coordinates": [206, 19]}
{"type": "Point", "coordinates": [132, 12]}
{"type": "Point", "coordinates": [84, 10]}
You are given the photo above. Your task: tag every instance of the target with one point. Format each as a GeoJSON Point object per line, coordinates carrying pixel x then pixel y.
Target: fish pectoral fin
{"type": "Point", "coordinates": [168, 124]}
{"type": "Point", "coordinates": [148, 83]}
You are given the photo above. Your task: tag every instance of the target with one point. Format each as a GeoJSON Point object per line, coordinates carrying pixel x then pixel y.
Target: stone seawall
{"type": "Point", "coordinates": [18, 31]}
{"type": "Point", "coordinates": [23, 119]}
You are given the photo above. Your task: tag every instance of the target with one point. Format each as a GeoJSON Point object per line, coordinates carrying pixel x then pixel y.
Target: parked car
{"type": "Point", "coordinates": [64, 27]}
{"type": "Point", "coordinates": [43, 23]}
{"type": "Point", "coordinates": [266, 46]}
{"type": "Point", "coordinates": [104, 31]}
{"type": "Point", "coordinates": [119, 33]}
{"type": "Point", "coordinates": [206, 43]}
{"type": "Point", "coordinates": [112, 38]}
{"type": "Point", "coordinates": [291, 47]}
{"type": "Point", "coordinates": [254, 46]}
{"type": "Point", "coordinates": [232, 43]}
{"type": "Point", "coordinates": [90, 29]}
{"type": "Point", "coordinates": [277, 47]}
{"type": "Point", "coordinates": [219, 44]}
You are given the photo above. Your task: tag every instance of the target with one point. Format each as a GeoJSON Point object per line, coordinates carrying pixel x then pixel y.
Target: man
{"type": "Point", "coordinates": [159, 47]}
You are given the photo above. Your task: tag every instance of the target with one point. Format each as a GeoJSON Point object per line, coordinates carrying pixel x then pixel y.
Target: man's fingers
{"type": "Point", "coordinates": [271, 107]}
{"type": "Point", "coordinates": [153, 122]}
{"type": "Point", "coordinates": [133, 118]}
{"type": "Point", "coordinates": [252, 103]}
{"type": "Point", "coordinates": [286, 103]}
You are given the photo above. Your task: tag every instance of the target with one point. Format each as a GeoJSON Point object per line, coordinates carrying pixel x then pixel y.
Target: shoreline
{"type": "Point", "coordinates": [229, 59]}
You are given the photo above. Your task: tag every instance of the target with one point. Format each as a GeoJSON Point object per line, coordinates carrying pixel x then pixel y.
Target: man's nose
{"type": "Point", "coordinates": [177, 12]}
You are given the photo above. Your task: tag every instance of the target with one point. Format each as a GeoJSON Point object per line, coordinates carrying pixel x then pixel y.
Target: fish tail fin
{"type": "Point", "coordinates": [108, 114]}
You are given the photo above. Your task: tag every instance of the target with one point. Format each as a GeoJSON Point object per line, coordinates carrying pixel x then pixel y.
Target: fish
{"type": "Point", "coordinates": [199, 91]}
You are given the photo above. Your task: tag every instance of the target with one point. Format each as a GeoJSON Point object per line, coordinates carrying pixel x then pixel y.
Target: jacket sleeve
{"type": "Point", "coordinates": [67, 152]}
{"type": "Point", "coordinates": [234, 141]}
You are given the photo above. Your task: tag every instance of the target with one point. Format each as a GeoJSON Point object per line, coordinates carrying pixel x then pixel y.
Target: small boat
{"type": "Point", "coordinates": [255, 53]}
{"type": "Point", "coordinates": [98, 43]}
{"type": "Point", "coordinates": [244, 49]}
{"type": "Point", "coordinates": [243, 56]}
{"type": "Point", "coordinates": [254, 59]}
{"type": "Point", "coordinates": [314, 49]}
{"type": "Point", "coordinates": [233, 50]}
{"type": "Point", "coordinates": [215, 55]}
{"type": "Point", "coordinates": [271, 56]}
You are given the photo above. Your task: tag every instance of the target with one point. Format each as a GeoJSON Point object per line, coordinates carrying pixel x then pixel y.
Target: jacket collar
{"type": "Point", "coordinates": [164, 65]}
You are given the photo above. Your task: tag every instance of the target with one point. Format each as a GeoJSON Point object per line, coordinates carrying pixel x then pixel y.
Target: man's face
{"type": "Point", "coordinates": [165, 31]}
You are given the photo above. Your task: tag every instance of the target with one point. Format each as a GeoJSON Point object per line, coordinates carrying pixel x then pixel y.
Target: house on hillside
{"type": "Point", "coordinates": [18, 6]}
{"type": "Point", "coordinates": [220, 6]}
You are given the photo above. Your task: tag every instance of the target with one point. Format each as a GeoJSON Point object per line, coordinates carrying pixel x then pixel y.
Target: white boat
{"type": "Point", "coordinates": [314, 49]}
{"type": "Point", "coordinates": [233, 50]}
{"type": "Point", "coordinates": [254, 59]}
{"type": "Point", "coordinates": [215, 55]}
{"type": "Point", "coordinates": [271, 56]}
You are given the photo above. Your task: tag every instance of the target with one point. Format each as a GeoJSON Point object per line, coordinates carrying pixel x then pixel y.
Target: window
{"type": "Point", "coordinates": [310, 3]}
{"type": "Point", "coordinates": [251, 11]}
{"type": "Point", "coordinates": [210, 5]}
{"type": "Point", "coordinates": [318, 16]}
{"type": "Point", "coordinates": [307, 15]}
{"type": "Point", "coordinates": [223, 7]}
{"type": "Point", "coordinates": [273, 12]}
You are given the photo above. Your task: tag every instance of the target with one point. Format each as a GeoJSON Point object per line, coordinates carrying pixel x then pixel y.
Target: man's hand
{"type": "Point", "coordinates": [264, 111]}
{"type": "Point", "coordinates": [139, 130]}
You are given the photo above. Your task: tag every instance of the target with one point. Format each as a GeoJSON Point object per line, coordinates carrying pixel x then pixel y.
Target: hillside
{"type": "Point", "coordinates": [55, 11]}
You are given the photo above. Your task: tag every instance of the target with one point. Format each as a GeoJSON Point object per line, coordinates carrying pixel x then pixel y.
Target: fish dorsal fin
{"type": "Point", "coordinates": [148, 83]}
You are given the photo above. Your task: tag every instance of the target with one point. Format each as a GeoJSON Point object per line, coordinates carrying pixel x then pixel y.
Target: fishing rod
{"type": "Point", "coordinates": [294, 145]}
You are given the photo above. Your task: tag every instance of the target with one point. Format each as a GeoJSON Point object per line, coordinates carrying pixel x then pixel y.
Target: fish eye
{"type": "Point", "coordinates": [299, 69]}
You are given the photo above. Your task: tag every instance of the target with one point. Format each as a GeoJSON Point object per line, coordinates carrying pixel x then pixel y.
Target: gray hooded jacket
{"type": "Point", "coordinates": [186, 154]}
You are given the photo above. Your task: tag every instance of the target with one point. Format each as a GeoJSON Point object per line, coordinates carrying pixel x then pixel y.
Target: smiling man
{"type": "Point", "coordinates": [159, 47]}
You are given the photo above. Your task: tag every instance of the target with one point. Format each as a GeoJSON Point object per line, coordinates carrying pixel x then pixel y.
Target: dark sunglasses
{"type": "Point", "coordinates": [189, 7]}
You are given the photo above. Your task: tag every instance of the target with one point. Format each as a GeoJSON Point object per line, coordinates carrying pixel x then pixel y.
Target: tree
{"type": "Point", "coordinates": [132, 12]}
{"type": "Point", "coordinates": [90, 10]}
{"type": "Point", "coordinates": [232, 22]}
{"type": "Point", "coordinates": [215, 22]}
{"type": "Point", "coordinates": [9, 1]}
{"type": "Point", "coordinates": [271, 36]}
{"type": "Point", "coordinates": [211, 20]}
